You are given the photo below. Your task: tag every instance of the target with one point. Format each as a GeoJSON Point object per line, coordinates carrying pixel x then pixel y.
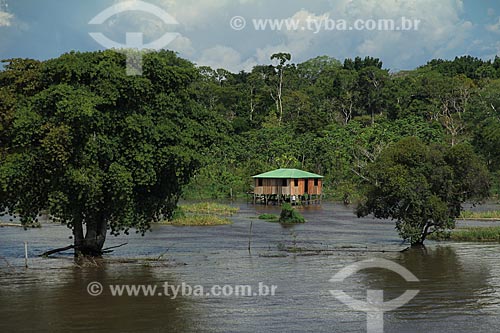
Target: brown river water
{"type": "Point", "coordinates": [459, 283]}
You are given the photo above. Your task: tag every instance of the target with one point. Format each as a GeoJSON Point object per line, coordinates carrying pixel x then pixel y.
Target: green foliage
{"type": "Point", "coordinates": [209, 208]}
{"type": "Point", "coordinates": [467, 214]}
{"type": "Point", "coordinates": [198, 220]}
{"type": "Point", "coordinates": [423, 186]}
{"type": "Point", "coordinates": [178, 213]}
{"type": "Point", "coordinates": [473, 234]}
{"type": "Point", "coordinates": [269, 217]}
{"type": "Point", "coordinates": [84, 140]}
{"type": "Point", "coordinates": [289, 215]}
{"type": "Point", "coordinates": [470, 66]}
{"type": "Point", "coordinates": [91, 144]}
{"type": "Point", "coordinates": [202, 214]}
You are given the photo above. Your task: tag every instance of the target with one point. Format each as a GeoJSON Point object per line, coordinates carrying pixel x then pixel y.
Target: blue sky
{"type": "Point", "coordinates": [43, 29]}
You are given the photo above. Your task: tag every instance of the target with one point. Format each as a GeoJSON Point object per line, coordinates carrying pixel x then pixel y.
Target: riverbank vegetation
{"type": "Point", "coordinates": [470, 234]}
{"type": "Point", "coordinates": [20, 225]}
{"type": "Point", "coordinates": [486, 215]}
{"type": "Point", "coordinates": [209, 208]}
{"type": "Point", "coordinates": [198, 220]}
{"type": "Point", "coordinates": [201, 214]}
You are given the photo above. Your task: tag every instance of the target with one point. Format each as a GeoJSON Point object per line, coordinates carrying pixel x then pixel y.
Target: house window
{"type": "Point", "coordinates": [284, 182]}
{"type": "Point", "coordinates": [315, 181]}
{"type": "Point", "coordinates": [259, 182]}
{"type": "Point", "coordinates": [295, 182]}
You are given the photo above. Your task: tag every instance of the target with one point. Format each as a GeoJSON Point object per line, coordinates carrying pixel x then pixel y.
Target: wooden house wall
{"type": "Point", "coordinates": [275, 186]}
{"type": "Point", "coordinates": [271, 186]}
{"type": "Point", "coordinates": [314, 189]}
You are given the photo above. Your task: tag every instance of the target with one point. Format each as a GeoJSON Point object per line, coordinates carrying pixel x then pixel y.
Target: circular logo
{"type": "Point", "coordinates": [238, 23]}
{"type": "Point", "coordinates": [94, 288]}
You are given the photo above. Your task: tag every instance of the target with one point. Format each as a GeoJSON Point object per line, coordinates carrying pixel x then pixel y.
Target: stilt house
{"type": "Point", "coordinates": [290, 185]}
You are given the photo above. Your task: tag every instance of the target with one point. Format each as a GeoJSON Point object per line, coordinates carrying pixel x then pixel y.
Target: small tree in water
{"type": "Point", "coordinates": [423, 187]}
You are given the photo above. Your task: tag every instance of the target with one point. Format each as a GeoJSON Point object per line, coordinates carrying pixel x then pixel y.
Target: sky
{"type": "Point", "coordinates": [210, 32]}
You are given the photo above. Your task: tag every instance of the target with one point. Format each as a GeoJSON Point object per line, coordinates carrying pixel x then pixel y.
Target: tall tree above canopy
{"type": "Point", "coordinates": [100, 150]}
{"type": "Point", "coordinates": [278, 94]}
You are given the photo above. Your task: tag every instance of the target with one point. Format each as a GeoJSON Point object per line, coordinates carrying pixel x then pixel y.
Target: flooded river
{"type": "Point", "coordinates": [459, 283]}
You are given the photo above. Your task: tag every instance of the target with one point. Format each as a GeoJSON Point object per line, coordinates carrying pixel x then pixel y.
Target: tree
{"type": "Point", "coordinates": [455, 103]}
{"type": "Point", "coordinates": [343, 94]}
{"type": "Point", "coordinates": [358, 63]}
{"type": "Point", "coordinates": [99, 150]}
{"type": "Point", "coordinates": [469, 66]}
{"type": "Point", "coordinates": [21, 78]}
{"type": "Point", "coordinates": [259, 91]}
{"type": "Point", "coordinates": [310, 70]}
{"type": "Point", "coordinates": [422, 187]}
{"type": "Point", "coordinates": [278, 97]}
{"type": "Point", "coordinates": [485, 120]}
{"type": "Point", "coordinates": [371, 82]}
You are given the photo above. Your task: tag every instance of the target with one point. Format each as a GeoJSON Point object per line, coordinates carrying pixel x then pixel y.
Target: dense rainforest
{"type": "Point", "coordinates": [94, 147]}
{"type": "Point", "coordinates": [334, 118]}
{"type": "Point", "coordinates": [321, 115]}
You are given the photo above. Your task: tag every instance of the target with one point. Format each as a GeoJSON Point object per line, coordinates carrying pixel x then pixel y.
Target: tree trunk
{"type": "Point", "coordinates": [93, 242]}
{"type": "Point", "coordinates": [423, 235]}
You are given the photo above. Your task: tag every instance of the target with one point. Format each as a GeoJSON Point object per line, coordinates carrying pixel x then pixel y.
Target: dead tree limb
{"type": "Point", "coordinates": [113, 247]}
{"type": "Point", "coordinates": [61, 249]}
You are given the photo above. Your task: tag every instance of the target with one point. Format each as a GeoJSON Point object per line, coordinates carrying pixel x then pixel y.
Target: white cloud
{"type": "Point", "coordinates": [206, 34]}
{"type": "Point", "coordinates": [193, 14]}
{"type": "Point", "coordinates": [183, 45]}
{"type": "Point", "coordinates": [224, 57]}
{"type": "Point", "coordinates": [494, 27]}
{"type": "Point", "coordinates": [487, 51]}
{"type": "Point", "coordinates": [5, 19]}
{"type": "Point", "coordinates": [441, 31]}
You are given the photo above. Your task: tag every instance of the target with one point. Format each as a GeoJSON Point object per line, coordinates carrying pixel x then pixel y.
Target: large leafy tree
{"type": "Point", "coordinates": [97, 149]}
{"type": "Point", "coordinates": [422, 186]}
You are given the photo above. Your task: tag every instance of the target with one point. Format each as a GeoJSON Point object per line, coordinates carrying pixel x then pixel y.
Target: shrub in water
{"type": "Point", "coordinates": [290, 215]}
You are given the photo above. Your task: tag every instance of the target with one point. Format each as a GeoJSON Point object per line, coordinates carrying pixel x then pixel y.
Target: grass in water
{"type": "Point", "coordinates": [269, 217]}
{"type": "Point", "coordinates": [198, 220]}
{"type": "Point", "coordinates": [209, 208]}
{"type": "Point", "coordinates": [472, 234]}
{"type": "Point", "coordinates": [202, 214]}
{"type": "Point", "coordinates": [467, 214]}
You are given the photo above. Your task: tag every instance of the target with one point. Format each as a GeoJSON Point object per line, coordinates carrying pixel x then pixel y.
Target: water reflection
{"type": "Point", "coordinates": [456, 291]}
{"type": "Point", "coordinates": [57, 300]}
{"type": "Point", "coordinates": [456, 281]}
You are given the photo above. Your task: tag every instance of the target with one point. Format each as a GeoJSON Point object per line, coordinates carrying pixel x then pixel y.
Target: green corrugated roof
{"type": "Point", "coordinates": [287, 173]}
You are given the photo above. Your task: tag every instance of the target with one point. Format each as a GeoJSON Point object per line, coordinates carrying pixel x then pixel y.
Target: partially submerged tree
{"type": "Point", "coordinates": [422, 187]}
{"type": "Point", "coordinates": [99, 150]}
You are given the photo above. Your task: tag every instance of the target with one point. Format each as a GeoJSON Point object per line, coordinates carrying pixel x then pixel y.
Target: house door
{"type": "Point", "coordinates": [306, 186]}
